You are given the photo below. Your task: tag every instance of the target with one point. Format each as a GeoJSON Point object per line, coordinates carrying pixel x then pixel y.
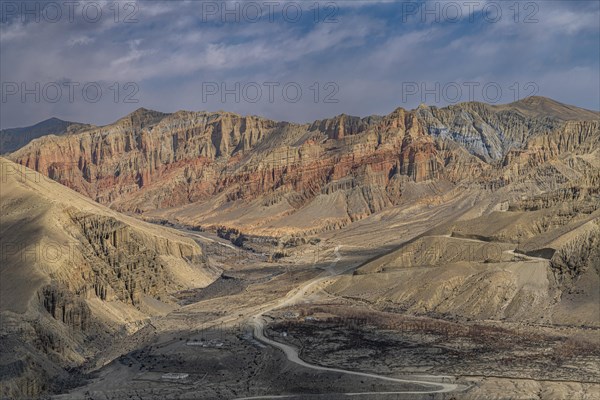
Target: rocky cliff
{"type": "Point", "coordinates": [215, 162]}
{"type": "Point", "coordinates": [76, 276]}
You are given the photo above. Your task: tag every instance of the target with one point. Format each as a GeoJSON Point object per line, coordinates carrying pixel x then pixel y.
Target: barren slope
{"type": "Point", "coordinates": [276, 178]}
{"type": "Point", "coordinates": [73, 271]}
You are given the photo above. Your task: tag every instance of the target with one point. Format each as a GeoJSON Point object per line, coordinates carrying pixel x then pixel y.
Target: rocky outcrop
{"type": "Point", "coordinates": [579, 256]}
{"type": "Point", "coordinates": [65, 307]}
{"type": "Point", "coordinates": [77, 276]}
{"type": "Point", "coordinates": [580, 197]}
{"type": "Point", "coordinates": [126, 264]}
{"type": "Point", "coordinates": [575, 266]}
{"type": "Point", "coordinates": [151, 161]}
{"type": "Point", "coordinates": [148, 161]}
{"type": "Point", "coordinates": [344, 125]}
{"type": "Point", "coordinates": [493, 133]}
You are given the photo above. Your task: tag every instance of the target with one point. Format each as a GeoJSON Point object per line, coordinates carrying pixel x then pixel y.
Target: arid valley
{"type": "Point", "coordinates": [434, 253]}
{"type": "Point", "coordinates": [300, 199]}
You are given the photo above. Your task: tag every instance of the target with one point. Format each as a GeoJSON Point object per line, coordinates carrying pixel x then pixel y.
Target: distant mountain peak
{"type": "Point", "coordinates": [142, 112]}
{"type": "Point", "coordinates": [14, 138]}
{"type": "Point", "coordinates": [141, 118]}
{"type": "Point", "coordinates": [539, 106]}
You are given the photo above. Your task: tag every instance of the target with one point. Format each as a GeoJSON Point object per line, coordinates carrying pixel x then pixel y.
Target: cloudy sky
{"type": "Point", "coordinates": [95, 61]}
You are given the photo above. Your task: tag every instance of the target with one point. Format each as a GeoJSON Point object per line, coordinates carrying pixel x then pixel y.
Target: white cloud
{"type": "Point", "coordinates": [80, 41]}
{"type": "Point", "coordinates": [10, 32]}
{"type": "Point", "coordinates": [169, 52]}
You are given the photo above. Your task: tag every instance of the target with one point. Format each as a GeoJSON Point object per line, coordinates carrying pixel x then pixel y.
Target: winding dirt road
{"type": "Point", "coordinates": [291, 353]}
{"type": "Point", "coordinates": [257, 321]}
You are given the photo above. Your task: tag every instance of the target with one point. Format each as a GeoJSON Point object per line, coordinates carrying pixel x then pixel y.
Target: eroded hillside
{"type": "Point", "coordinates": [278, 178]}
{"type": "Point", "coordinates": [77, 276]}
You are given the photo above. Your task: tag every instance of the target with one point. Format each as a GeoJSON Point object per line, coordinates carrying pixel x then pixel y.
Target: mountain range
{"type": "Point", "coordinates": [83, 267]}
{"type": "Point", "coordinates": [276, 178]}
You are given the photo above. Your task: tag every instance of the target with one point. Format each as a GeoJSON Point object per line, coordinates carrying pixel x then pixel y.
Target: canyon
{"type": "Point", "coordinates": [469, 234]}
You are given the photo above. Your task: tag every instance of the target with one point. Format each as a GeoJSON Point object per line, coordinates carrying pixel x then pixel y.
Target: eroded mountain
{"type": "Point", "coordinates": [277, 178]}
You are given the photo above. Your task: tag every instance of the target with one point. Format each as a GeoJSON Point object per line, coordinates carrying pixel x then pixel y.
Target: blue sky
{"type": "Point", "coordinates": [352, 57]}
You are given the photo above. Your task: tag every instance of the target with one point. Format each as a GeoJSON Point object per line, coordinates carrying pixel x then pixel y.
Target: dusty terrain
{"type": "Point", "coordinates": [77, 276]}
{"type": "Point", "coordinates": [212, 342]}
{"type": "Point", "coordinates": [425, 254]}
{"type": "Point", "coordinates": [297, 299]}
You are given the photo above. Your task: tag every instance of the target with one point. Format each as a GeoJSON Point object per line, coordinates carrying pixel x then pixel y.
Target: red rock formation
{"type": "Point", "coordinates": [150, 160]}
